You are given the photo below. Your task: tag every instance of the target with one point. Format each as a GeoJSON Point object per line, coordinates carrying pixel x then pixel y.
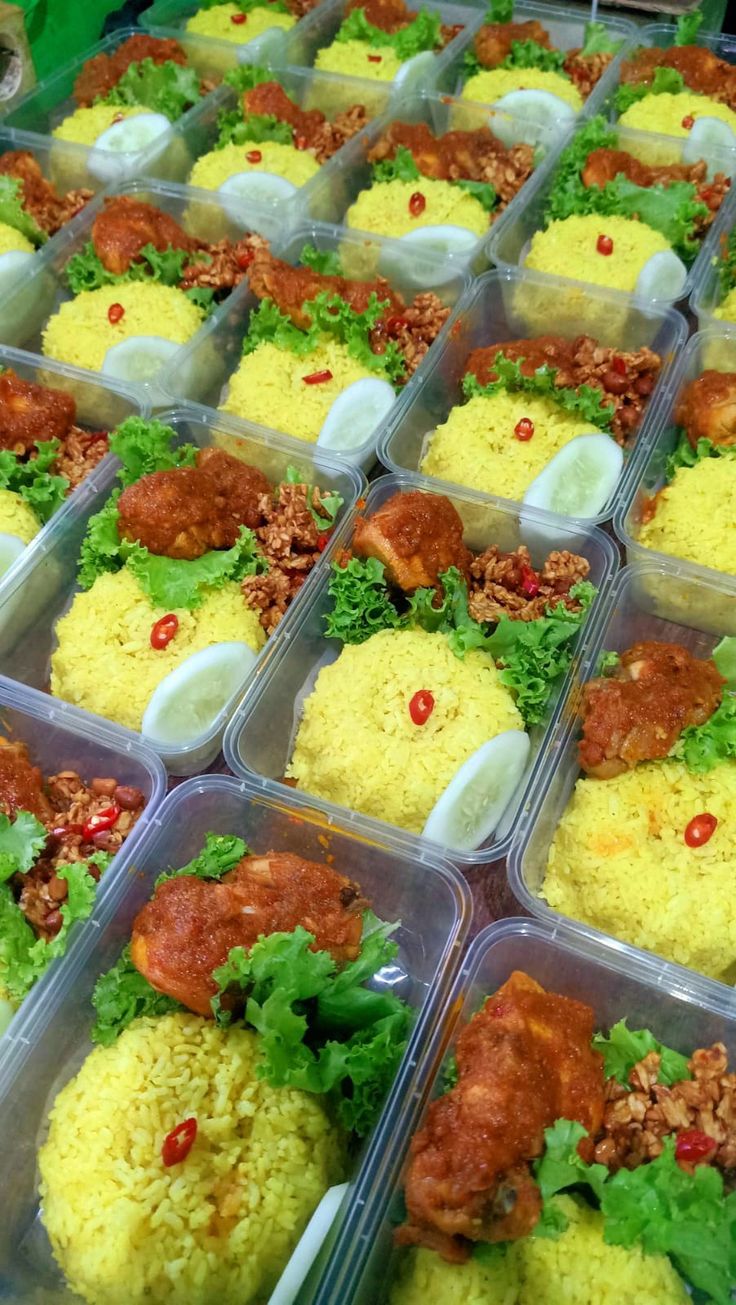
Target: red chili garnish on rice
{"type": "Point", "coordinates": [530, 583]}
{"type": "Point", "coordinates": [179, 1142]}
{"type": "Point", "coordinates": [524, 429]}
{"type": "Point", "coordinates": [114, 313]}
{"type": "Point", "coordinates": [164, 630]}
{"type": "Point", "coordinates": [318, 378]}
{"type": "Point", "coordinates": [688, 121]}
{"type": "Point", "coordinates": [254, 156]}
{"type": "Point", "coordinates": [700, 829]}
{"type": "Point", "coordinates": [421, 706]}
{"type": "Point", "coordinates": [101, 822]}
{"type": "Point", "coordinates": [417, 203]}
{"type": "Point", "coordinates": [619, 365]}
{"type": "Point", "coordinates": [238, 19]}
{"type": "Point", "coordinates": [692, 1146]}
{"type": "Point", "coordinates": [375, 58]}
{"type": "Point", "coordinates": [604, 245]}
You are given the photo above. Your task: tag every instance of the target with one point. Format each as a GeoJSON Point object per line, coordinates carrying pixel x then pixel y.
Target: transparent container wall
{"type": "Point", "coordinates": [260, 738]}
{"type": "Point", "coordinates": [708, 293]}
{"type": "Point", "coordinates": [512, 235]}
{"type": "Point", "coordinates": [203, 368]}
{"type": "Point", "coordinates": [42, 592]}
{"type": "Point", "coordinates": [662, 36]}
{"type": "Point", "coordinates": [708, 350]}
{"type": "Point", "coordinates": [510, 305]}
{"type": "Point", "coordinates": [428, 898]}
{"type": "Point", "coordinates": [171, 17]}
{"type": "Point", "coordinates": [616, 984]}
{"type": "Point", "coordinates": [651, 600]}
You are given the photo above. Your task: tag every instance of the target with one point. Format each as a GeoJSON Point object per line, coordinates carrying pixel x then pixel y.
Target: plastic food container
{"type": "Point", "coordinates": [515, 304]}
{"type": "Point", "coordinates": [170, 18]}
{"type": "Point", "coordinates": [43, 587]}
{"type": "Point", "coordinates": [707, 294]}
{"type": "Point", "coordinates": [511, 236]}
{"type": "Point", "coordinates": [260, 737]}
{"type": "Point", "coordinates": [427, 895]}
{"type": "Point", "coordinates": [648, 600]}
{"type": "Point", "coordinates": [101, 404]}
{"type": "Point", "coordinates": [59, 737]}
{"type": "Point", "coordinates": [617, 982]}
{"type": "Point", "coordinates": [711, 349]}
{"type": "Point", "coordinates": [204, 366]}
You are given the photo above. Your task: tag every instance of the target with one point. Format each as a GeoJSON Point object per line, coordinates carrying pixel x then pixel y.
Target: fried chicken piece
{"type": "Point", "coordinates": [470, 155]}
{"type": "Point", "coordinates": [39, 197]}
{"type": "Point", "coordinates": [21, 784]}
{"type": "Point", "coordinates": [271, 98]}
{"type": "Point", "coordinates": [639, 712]}
{"type": "Point", "coordinates": [389, 15]}
{"type": "Point", "coordinates": [707, 408]}
{"type": "Point", "coordinates": [30, 412]}
{"type": "Point", "coordinates": [416, 536]}
{"type": "Point", "coordinates": [291, 287]}
{"type": "Point", "coordinates": [603, 165]}
{"type": "Point", "coordinates": [493, 41]}
{"type": "Point", "coordinates": [126, 224]}
{"type": "Point", "coordinates": [699, 67]}
{"type": "Point", "coordinates": [100, 74]}
{"type": "Point", "coordinates": [187, 511]}
{"type": "Point", "coordinates": [523, 1061]}
{"type": "Point", "coordinates": [187, 929]}
{"type": "Point", "coordinates": [537, 351]}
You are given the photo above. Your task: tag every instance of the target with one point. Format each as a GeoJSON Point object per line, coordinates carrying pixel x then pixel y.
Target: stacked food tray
{"type": "Point", "coordinates": [367, 621]}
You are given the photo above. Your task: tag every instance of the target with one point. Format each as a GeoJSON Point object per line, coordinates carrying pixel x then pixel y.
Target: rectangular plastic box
{"type": "Point", "coordinates": [43, 589]}
{"type": "Point", "coordinates": [259, 739]}
{"type": "Point", "coordinates": [59, 737]}
{"type": "Point", "coordinates": [426, 895]}
{"type": "Point", "coordinates": [514, 304]}
{"type": "Point", "coordinates": [648, 600]}
{"type": "Point", "coordinates": [711, 349]}
{"type": "Point", "coordinates": [707, 294]}
{"type": "Point", "coordinates": [201, 370]}
{"type": "Point", "coordinates": [618, 984]}
{"type": "Point", "coordinates": [170, 18]}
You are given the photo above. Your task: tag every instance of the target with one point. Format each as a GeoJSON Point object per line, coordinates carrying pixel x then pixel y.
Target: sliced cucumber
{"type": "Point", "coordinates": [663, 276]}
{"type": "Point", "coordinates": [441, 240]}
{"type": "Point", "coordinates": [528, 111]}
{"type": "Point", "coordinates": [355, 414]}
{"type": "Point", "coordinates": [108, 160]}
{"type": "Point", "coordinates": [11, 547]}
{"type": "Point", "coordinates": [13, 266]}
{"type": "Point", "coordinates": [189, 700]}
{"type": "Point", "coordinates": [253, 188]}
{"type": "Point", "coordinates": [708, 134]}
{"type": "Point", "coordinates": [416, 74]}
{"type": "Point", "coordinates": [308, 1247]}
{"type": "Point", "coordinates": [472, 805]}
{"type": "Point", "coordinates": [416, 259]}
{"type": "Point", "coordinates": [578, 480]}
{"type": "Point", "coordinates": [138, 359]}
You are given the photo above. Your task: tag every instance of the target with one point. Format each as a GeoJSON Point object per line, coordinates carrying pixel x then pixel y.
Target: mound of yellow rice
{"type": "Point", "coordinates": [12, 240]}
{"type": "Point", "coordinates": [568, 248]}
{"type": "Point", "coordinates": [476, 446]}
{"type": "Point", "coordinates": [357, 744]}
{"type": "Point", "coordinates": [217, 22]}
{"type": "Point", "coordinates": [384, 208]}
{"type": "Point", "coordinates": [219, 1226]}
{"type": "Point", "coordinates": [726, 310]}
{"type": "Point", "coordinates": [490, 85]}
{"type": "Point", "coordinates": [619, 862]}
{"type": "Point", "coordinates": [296, 166]}
{"type": "Point", "coordinates": [269, 388]}
{"type": "Point", "coordinates": [104, 661]}
{"type": "Point", "coordinates": [17, 517]}
{"type": "Point", "coordinates": [576, 1269]}
{"type": "Point", "coordinates": [85, 125]}
{"type": "Point", "coordinates": [358, 59]}
{"type": "Point", "coordinates": [696, 515]}
{"type": "Point", "coordinates": [81, 333]}
{"type": "Point", "coordinates": [664, 114]}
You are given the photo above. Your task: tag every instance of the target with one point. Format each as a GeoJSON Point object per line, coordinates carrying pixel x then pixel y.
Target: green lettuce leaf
{"type": "Point", "coordinates": [122, 995]}
{"type": "Point", "coordinates": [144, 446]}
{"type": "Point", "coordinates": [585, 402]}
{"type": "Point", "coordinates": [400, 168]}
{"type": "Point", "coordinates": [235, 128]}
{"type": "Point", "coordinates": [561, 1167]}
{"type": "Point", "coordinates": [330, 504]}
{"type": "Point", "coordinates": [86, 271]}
{"type": "Point", "coordinates": [246, 75]}
{"type": "Point", "coordinates": [724, 656]}
{"type": "Point", "coordinates": [727, 263]}
{"type": "Point", "coordinates": [12, 212]}
{"type": "Point", "coordinates": [166, 88]}
{"type": "Point", "coordinates": [43, 491]}
{"type": "Point", "coordinates": [702, 747]}
{"type": "Point", "coordinates": [624, 1047]}
{"type": "Point", "coordinates": [530, 54]}
{"type": "Point", "coordinates": [17, 939]}
{"type": "Point", "coordinates": [269, 325]}
{"type": "Point", "coordinates": [597, 41]}
{"type": "Point", "coordinates": [568, 195]}
{"type": "Point", "coordinates": [421, 34]}
{"type": "Point", "coordinates": [684, 455]}
{"type": "Point", "coordinates": [176, 582]}
{"type": "Point", "coordinates": [330, 315]}
{"type": "Point", "coordinates": [360, 601]}
{"type": "Point", "coordinates": [325, 261]}
{"type": "Point", "coordinates": [607, 661]}
{"type": "Point", "coordinates": [666, 81]}
{"type": "Point", "coordinates": [21, 842]}
{"type": "Point", "coordinates": [221, 853]}
{"type": "Point", "coordinates": [101, 546]}
{"type": "Point", "coordinates": [203, 297]}
{"type": "Point", "coordinates": [688, 26]}
{"type": "Point", "coordinates": [483, 191]}
{"type": "Point", "coordinates": [500, 11]}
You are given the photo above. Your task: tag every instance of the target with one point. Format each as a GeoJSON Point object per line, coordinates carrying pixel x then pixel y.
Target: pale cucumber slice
{"type": "Point", "coordinates": [578, 480]}
{"type": "Point", "coordinates": [308, 1247]}
{"type": "Point", "coordinates": [416, 73]}
{"type": "Point", "coordinates": [127, 137]}
{"type": "Point", "coordinates": [528, 111]}
{"type": "Point", "coordinates": [11, 548]}
{"type": "Point", "coordinates": [13, 265]}
{"type": "Point", "coordinates": [355, 414]}
{"type": "Point", "coordinates": [663, 276]}
{"type": "Point", "coordinates": [188, 701]}
{"type": "Point", "coordinates": [138, 359]}
{"type": "Point", "coordinates": [253, 188]}
{"type": "Point", "coordinates": [441, 240]}
{"type": "Point", "coordinates": [472, 805]}
{"type": "Point", "coordinates": [707, 134]}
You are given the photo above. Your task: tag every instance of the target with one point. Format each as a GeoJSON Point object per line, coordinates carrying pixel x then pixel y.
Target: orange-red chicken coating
{"type": "Point", "coordinates": [21, 784]}
{"type": "Point", "coordinates": [447, 157]}
{"type": "Point", "coordinates": [416, 536]}
{"type": "Point", "coordinates": [30, 412]}
{"type": "Point", "coordinates": [699, 67]}
{"type": "Point", "coordinates": [270, 98]}
{"type": "Point", "coordinates": [125, 225]}
{"type": "Point", "coordinates": [39, 197]}
{"type": "Point", "coordinates": [291, 287]}
{"type": "Point", "coordinates": [523, 1061]}
{"type": "Point", "coordinates": [707, 408]}
{"type": "Point", "coordinates": [100, 74]}
{"type": "Point", "coordinates": [189, 926]}
{"type": "Point", "coordinates": [603, 165]}
{"type": "Point", "coordinates": [493, 41]}
{"type": "Point", "coordinates": [537, 351]}
{"type": "Point", "coordinates": [389, 15]}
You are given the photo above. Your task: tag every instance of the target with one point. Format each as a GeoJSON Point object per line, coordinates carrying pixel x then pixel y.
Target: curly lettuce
{"type": "Point", "coordinates": [324, 261]}
{"type": "Point", "coordinates": [86, 271]}
{"type": "Point", "coordinates": [684, 455]}
{"type": "Point", "coordinates": [597, 41]}
{"type": "Point", "coordinates": [421, 34]}
{"type": "Point", "coordinates": [235, 128]}
{"type": "Point", "coordinates": [33, 480]}
{"type": "Point", "coordinates": [166, 88]}
{"type": "Point", "coordinates": [702, 747]}
{"type": "Point", "coordinates": [400, 168]}
{"type": "Point", "coordinates": [622, 1048]}
{"type": "Point", "coordinates": [666, 81]}
{"type": "Point", "coordinates": [12, 212]}
{"type": "Point", "coordinates": [530, 54]}
{"type": "Point", "coordinates": [688, 26]}
{"type": "Point", "coordinates": [361, 605]}
{"type": "Point", "coordinates": [330, 315]}
{"type": "Point", "coordinates": [586, 402]}
{"type": "Point", "coordinates": [22, 840]}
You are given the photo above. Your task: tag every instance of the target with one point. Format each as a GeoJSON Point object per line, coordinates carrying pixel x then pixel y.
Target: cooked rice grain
{"type": "Point", "coordinates": [296, 166]}
{"type": "Point", "coordinates": [384, 208]}
{"type": "Point", "coordinates": [80, 331]}
{"type": "Point", "coordinates": [489, 85]}
{"type": "Point", "coordinates": [696, 515]}
{"type": "Point", "coordinates": [359, 59]}
{"type": "Point", "coordinates": [568, 248]}
{"type": "Point", "coordinates": [218, 22]}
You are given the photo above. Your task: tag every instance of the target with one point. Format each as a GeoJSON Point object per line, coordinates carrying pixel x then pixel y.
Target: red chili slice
{"type": "Point", "coordinates": [179, 1142]}
{"type": "Point", "coordinates": [322, 542]}
{"type": "Point", "coordinates": [619, 365]}
{"type": "Point", "coordinates": [101, 822]}
{"type": "Point", "coordinates": [417, 203]}
{"type": "Point", "coordinates": [688, 121]}
{"type": "Point", "coordinates": [421, 706]}
{"type": "Point", "coordinates": [700, 829]}
{"type": "Point", "coordinates": [164, 630]}
{"type": "Point", "coordinates": [254, 156]}
{"type": "Point", "coordinates": [318, 378]}
{"type": "Point", "coordinates": [114, 313]}
{"type": "Point", "coordinates": [524, 429]}
{"type": "Point", "coordinates": [604, 245]}
{"type": "Point", "coordinates": [692, 1146]}
{"type": "Point", "coordinates": [238, 19]}
{"type": "Point", "coordinates": [375, 58]}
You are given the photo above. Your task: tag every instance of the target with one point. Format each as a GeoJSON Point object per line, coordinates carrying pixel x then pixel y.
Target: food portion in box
{"type": "Point", "coordinates": [31, 210]}
{"type": "Point", "coordinates": [184, 572]}
{"type": "Point", "coordinates": [621, 222]}
{"type": "Point", "coordinates": [644, 848]}
{"type": "Point", "coordinates": [724, 264]}
{"type": "Point", "coordinates": [58, 834]}
{"type": "Point", "coordinates": [242, 21]}
{"type": "Point", "coordinates": [449, 657]}
{"type": "Point", "coordinates": [262, 973]}
{"type": "Point", "coordinates": [325, 354]}
{"type": "Point", "coordinates": [386, 41]}
{"type": "Point", "coordinates": [564, 1164]}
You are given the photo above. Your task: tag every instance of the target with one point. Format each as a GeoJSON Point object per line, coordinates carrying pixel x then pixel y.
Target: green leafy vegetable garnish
{"type": "Point", "coordinates": [483, 191]}
{"type": "Point", "coordinates": [330, 315]}
{"type": "Point", "coordinates": [684, 455]}
{"type": "Point", "coordinates": [597, 41]}
{"type": "Point", "coordinates": [12, 212]}
{"type": "Point", "coordinates": [146, 446]}
{"type": "Point", "coordinates": [235, 128]}
{"type": "Point", "coordinates": [361, 604]}
{"type": "Point", "coordinates": [421, 34]}
{"type": "Point", "coordinates": [702, 747]}
{"type": "Point", "coordinates": [246, 75]}
{"type": "Point", "coordinates": [221, 853]}
{"type": "Point", "coordinates": [400, 168]}
{"type": "Point", "coordinates": [43, 491]}
{"type": "Point", "coordinates": [688, 26]}
{"type": "Point", "coordinates": [724, 656]}
{"type": "Point", "coordinates": [500, 11]}
{"type": "Point", "coordinates": [122, 995]}
{"type": "Point", "coordinates": [86, 271]}
{"type": "Point", "coordinates": [666, 81]}
{"type": "Point", "coordinates": [561, 1167]}
{"type": "Point", "coordinates": [166, 88]}
{"type": "Point", "coordinates": [325, 261]}
{"type": "Point", "coordinates": [21, 841]}
{"type": "Point", "coordinates": [585, 402]}
{"type": "Point", "coordinates": [530, 54]}
{"type": "Point", "coordinates": [623, 1048]}
{"type": "Point", "coordinates": [607, 661]}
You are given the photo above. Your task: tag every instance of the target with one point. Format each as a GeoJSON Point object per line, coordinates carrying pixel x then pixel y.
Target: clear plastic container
{"type": "Point", "coordinates": [648, 600]}
{"type": "Point", "coordinates": [170, 18]}
{"type": "Point", "coordinates": [43, 587]}
{"type": "Point", "coordinates": [260, 736]}
{"type": "Point", "coordinates": [59, 737]}
{"type": "Point", "coordinates": [707, 294]}
{"type": "Point", "coordinates": [101, 404]}
{"type": "Point", "coordinates": [203, 367]}
{"type": "Point", "coordinates": [514, 304]}
{"type": "Point", "coordinates": [711, 349]}
{"type": "Point", "coordinates": [427, 895]}
{"type": "Point", "coordinates": [511, 236]}
{"type": "Point", "coordinates": [617, 983]}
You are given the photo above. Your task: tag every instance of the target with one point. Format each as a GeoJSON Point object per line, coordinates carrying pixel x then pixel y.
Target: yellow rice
{"type": "Point", "coordinates": [476, 446]}
{"type": "Point", "coordinates": [296, 166]}
{"type": "Point", "coordinates": [619, 862]}
{"type": "Point", "coordinates": [219, 1226]}
{"type": "Point", "coordinates": [17, 517]}
{"type": "Point", "coordinates": [357, 744]}
{"type": "Point", "coordinates": [85, 125]}
{"type": "Point", "coordinates": [217, 22]}
{"type": "Point", "coordinates": [568, 248]}
{"type": "Point", "coordinates": [384, 208]}
{"type": "Point", "coordinates": [12, 240]}
{"type": "Point", "coordinates": [358, 59]}
{"type": "Point", "coordinates": [81, 333]}
{"type": "Point", "coordinates": [490, 85]}
{"type": "Point", "coordinates": [696, 515]}
{"type": "Point", "coordinates": [269, 388]}
{"type": "Point", "coordinates": [726, 310]}
{"type": "Point", "coordinates": [104, 661]}
{"type": "Point", "coordinates": [664, 114]}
